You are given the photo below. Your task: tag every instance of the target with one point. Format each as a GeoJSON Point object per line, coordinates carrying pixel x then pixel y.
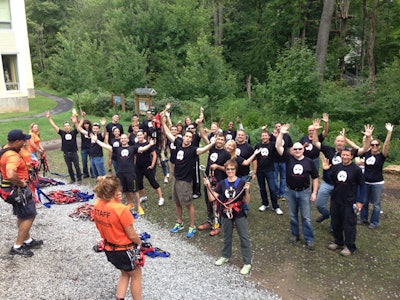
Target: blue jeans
{"type": "Point", "coordinates": [243, 232]}
{"type": "Point", "coordinates": [85, 156]}
{"type": "Point", "coordinates": [270, 177]}
{"type": "Point", "coordinates": [324, 192]}
{"type": "Point", "coordinates": [280, 171]}
{"type": "Point", "coordinates": [373, 195]}
{"type": "Point", "coordinates": [300, 201]}
{"type": "Point", "coordinates": [97, 164]}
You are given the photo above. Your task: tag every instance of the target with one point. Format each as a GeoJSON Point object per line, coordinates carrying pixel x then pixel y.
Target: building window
{"type": "Point", "coordinates": [10, 71]}
{"type": "Point", "coordinates": [5, 14]}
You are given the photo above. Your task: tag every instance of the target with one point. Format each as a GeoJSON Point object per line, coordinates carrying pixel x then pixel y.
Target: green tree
{"type": "Point", "coordinates": [293, 84]}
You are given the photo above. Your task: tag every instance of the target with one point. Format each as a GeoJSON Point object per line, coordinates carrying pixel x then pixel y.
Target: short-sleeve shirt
{"type": "Point", "coordinates": [185, 161]}
{"type": "Point", "coordinates": [115, 144]}
{"type": "Point", "coordinates": [373, 167]}
{"type": "Point", "coordinates": [286, 143]}
{"type": "Point", "coordinates": [265, 159]}
{"type": "Point", "coordinates": [85, 141]}
{"type": "Point", "coordinates": [244, 150]}
{"type": "Point", "coordinates": [68, 140]}
{"type": "Point", "coordinates": [144, 159]}
{"type": "Point", "coordinates": [346, 180]}
{"type": "Point", "coordinates": [311, 151]}
{"type": "Point", "coordinates": [298, 172]}
{"type": "Point", "coordinates": [111, 218]}
{"type": "Point", "coordinates": [229, 191]}
{"type": "Point", "coordinates": [36, 141]}
{"type": "Point", "coordinates": [219, 157]}
{"type": "Point", "coordinates": [230, 135]}
{"type": "Point", "coordinates": [126, 159]}
{"type": "Point", "coordinates": [172, 149]}
{"type": "Point", "coordinates": [110, 126]}
{"type": "Point", "coordinates": [12, 160]}
{"type": "Point", "coordinates": [95, 149]}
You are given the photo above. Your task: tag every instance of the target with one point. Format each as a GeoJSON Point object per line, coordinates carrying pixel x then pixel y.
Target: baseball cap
{"type": "Point", "coordinates": [17, 135]}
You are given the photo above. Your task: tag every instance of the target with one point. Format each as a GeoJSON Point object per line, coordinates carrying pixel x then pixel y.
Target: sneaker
{"type": "Point", "coordinates": [345, 252]}
{"type": "Point", "coordinates": [165, 179]}
{"type": "Point", "coordinates": [140, 211]}
{"type": "Point", "coordinates": [79, 182]}
{"type": "Point", "coordinates": [221, 261]}
{"type": "Point", "coordinates": [245, 270]}
{"type": "Point", "coordinates": [263, 207]}
{"type": "Point", "coordinates": [195, 196]}
{"type": "Point", "coordinates": [279, 211]}
{"type": "Point", "coordinates": [34, 244]}
{"type": "Point", "coordinates": [362, 222]}
{"type": "Point", "coordinates": [215, 231]}
{"type": "Point", "coordinates": [191, 232]}
{"type": "Point", "coordinates": [333, 246]}
{"type": "Point", "coordinates": [372, 226]}
{"type": "Point", "coordinates": [321, 218]}
{"type": "Point", "coordinates": [293, 239]}
{"type": "Point", "coordinates": [310, 245]}
{"type": "Point", "coordinates": [177, 227]}
{"type": "Point", "coordinates": [23, 251]}
{"type": "Point", "coordinates": [161, 202]}
{"type": "Point", "coordinates": [206, 225]}
{"type": "Point", "coordinates": [143, 199]}
{"type": "Point", "coordinates": [71, 182]}
{"type": "Point", "coordinates": [85, 176]}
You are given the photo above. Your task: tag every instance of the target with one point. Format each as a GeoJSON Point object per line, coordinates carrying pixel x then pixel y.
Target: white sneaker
{"type": "Point", "coordinates": [279, 211]}
{"type": "Point", "coordinates": [263, 207]}
{"type": "Point", "coordinates": [161, 202]}
{"type": "Point", "coordinates": [143, 199]}
{"type": "Point", "coordinates": [165, 179]}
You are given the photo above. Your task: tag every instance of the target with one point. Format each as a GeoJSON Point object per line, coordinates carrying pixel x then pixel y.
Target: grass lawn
{"type": "Point", "coordinates": [292, 271]}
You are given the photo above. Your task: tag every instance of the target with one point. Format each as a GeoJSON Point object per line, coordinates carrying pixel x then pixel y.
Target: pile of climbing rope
{"type": "Point", "coordinates": [83, 212]}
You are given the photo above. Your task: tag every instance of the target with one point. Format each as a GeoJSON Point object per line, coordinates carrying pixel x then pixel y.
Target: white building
{"type": "Point", "coordinates": [16, 79]}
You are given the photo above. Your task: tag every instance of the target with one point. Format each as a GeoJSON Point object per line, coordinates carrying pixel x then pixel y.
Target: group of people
{"type": "Point", "coordinates": [290, 170]}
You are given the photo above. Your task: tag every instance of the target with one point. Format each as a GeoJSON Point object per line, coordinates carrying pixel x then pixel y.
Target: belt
{"type": "Point", "coordinates": [114, 246]}
{"type": "Point", "coordinates": [297, 189]}
{"type": "Point", "coordinates": [6, 184]}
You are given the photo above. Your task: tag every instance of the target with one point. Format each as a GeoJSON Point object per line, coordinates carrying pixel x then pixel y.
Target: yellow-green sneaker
{"type": "Point", "coordinates": [221, 261]}
{"type": "Point", "coordinates": [245, 270]}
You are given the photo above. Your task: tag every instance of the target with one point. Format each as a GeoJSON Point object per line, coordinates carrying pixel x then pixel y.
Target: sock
{"type": "Point", "coordinates": [28, 241]}
{"type": "Point", "coordinates": [17, 246]}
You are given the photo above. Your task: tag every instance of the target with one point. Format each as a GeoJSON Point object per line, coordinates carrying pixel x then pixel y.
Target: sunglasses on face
{"type": "Point", "coordinates": [375, 145]}
{"type": "Point", "coordinates": [230, 169]}
{"type": "Point", "coordinates": [297, 149]}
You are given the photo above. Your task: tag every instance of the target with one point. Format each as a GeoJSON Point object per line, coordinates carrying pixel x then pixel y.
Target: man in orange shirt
{"type": "Point", "coordinates": [15, 180]}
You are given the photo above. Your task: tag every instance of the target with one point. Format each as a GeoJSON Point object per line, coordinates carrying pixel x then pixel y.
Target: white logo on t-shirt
{"type": "Point", "coordinates": [297, 169]}
{"type": "Point", "coordinates": [342, 176]}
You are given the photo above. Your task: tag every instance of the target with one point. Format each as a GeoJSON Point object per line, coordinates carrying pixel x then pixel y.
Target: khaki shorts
{"type": "Point", "coordinates": [183, 192]}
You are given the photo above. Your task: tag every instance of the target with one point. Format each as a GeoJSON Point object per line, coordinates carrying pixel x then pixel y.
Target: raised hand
{"type": "Point", "coordinates": [317, 124]}
{"type": "Point", "coordinates": [325, 117]}
{"type": "Point", "coordinates": [285, 128]}
{"type": "Point", "coordinates": [389, 127]}
{"type": "Point", "coordinates": [368, 130]}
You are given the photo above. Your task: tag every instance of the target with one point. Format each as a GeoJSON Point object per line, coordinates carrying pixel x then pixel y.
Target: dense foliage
{"type": "Point", "coordinates": [254, 59]}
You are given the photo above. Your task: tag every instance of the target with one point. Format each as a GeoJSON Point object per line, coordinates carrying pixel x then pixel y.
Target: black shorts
{"type": "Point", "coordinates": [128, 182]}
{"type": "Point", "coordinates": [122, 260]}
{"type": "Point", "coordinates": [25, 210]}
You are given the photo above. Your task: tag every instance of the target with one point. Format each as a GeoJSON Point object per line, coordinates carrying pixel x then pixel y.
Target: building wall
{"type": "Point", "coordinates": [15, 41]}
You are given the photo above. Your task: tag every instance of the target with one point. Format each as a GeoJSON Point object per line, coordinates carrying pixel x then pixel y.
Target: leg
{"type": "Point", "coordinates": [227, 227]}
{"type": "Point", "coordinates": [337, 223]}
{"type": "Point", "coordinates": [305, 211]}
{"type": "Point", "coordinates": [261, 176]}
{"type": "Point", "coordinates": [273, 189]}
{"type": "Point", "coordinates": [68, 162]}
{"type": "Point", "coordinates": [245, 244]}
{"type": "Point", "coordinates": [350, 228]}
{"type": "Point", "coordinates": [136, 284]}
{"type": "Point", "coordinates": [75, 160]}
{"type": "Point", "coordinates": [282, 178]}
{"type": "Point", "coordinates": [376, 197]}
{"type": "Point", "coordinates": [84, 156]}
{"type": "Point", "coordinates": [191, 212]}
{"type": "Point", "coordinates": [323, 195]}
{"type": "Point", "coordinates": [293, 206]}
{"type": "Point", "coordinates": [123, 283]}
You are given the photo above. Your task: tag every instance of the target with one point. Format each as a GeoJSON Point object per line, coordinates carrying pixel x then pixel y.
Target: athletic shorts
{"type": "Point", "coordinates": [128, 182]}
{"type": "Point", "coordinates": [122, 260]}
{"type": "Point", "coordinates": [183, 192]}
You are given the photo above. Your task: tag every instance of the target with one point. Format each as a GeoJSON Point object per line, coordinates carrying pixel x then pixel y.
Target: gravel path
{"type": "Point", "coordinates": [67, 268]}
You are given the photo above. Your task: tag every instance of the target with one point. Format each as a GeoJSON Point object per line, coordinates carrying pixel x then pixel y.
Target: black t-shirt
{"type": "Point", "coordinates": [346, 180]}
{"type": "Point", "coordinates": [227, 191]}
{"type": "Point", "coordinates": [126, 159]}
{"type": "Point", "coordinates": [286, 143]}
{"type": "Point", "coordinates": [185, 161]}
{"type": "Point", "coordinates": [373, 167]}
{"type": "Point", "coordinates": [95, 149]}
{"type": "Point", "coordinates": [298, 172]}
{"type": "Point", "coordinates": [144, 159]}
{"type": "Point", "coordinates": [115, 144]}
{"type": "Point", "coordinates": [85, 141]}
{"type": "Point", "coordinates": [172, 149]}
{"type": "Point", "coordinates": [219, 157]}
{"type": "Point", "coordinates": [132, 139]}
{"type": "Point", "coordinates": [265, 159]}
{"type": "Point", "coordinates": [230, 135]}
{"type": "Point", "coordinates": [311, 151]}
{"type": "Point", "coordinates": [110, 126]}
{"type": "Point", "coordinates": [244, 150]}
{"type": "Point", "coordinates": [68, 140]}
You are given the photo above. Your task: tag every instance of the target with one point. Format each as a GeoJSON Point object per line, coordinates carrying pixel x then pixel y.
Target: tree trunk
{"type": "Point", "coordinates": [218, 7]}
{"type": "Point", "coordinates": [323, 35]}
